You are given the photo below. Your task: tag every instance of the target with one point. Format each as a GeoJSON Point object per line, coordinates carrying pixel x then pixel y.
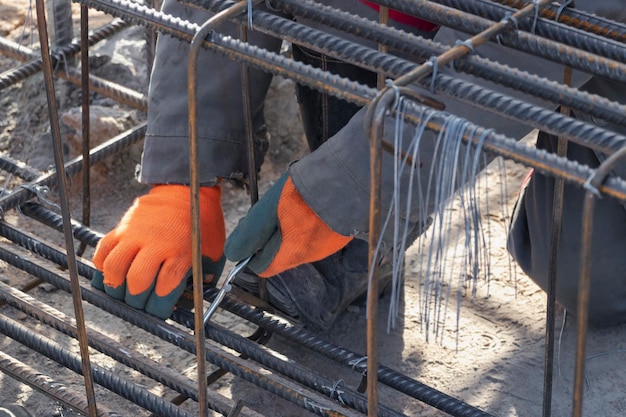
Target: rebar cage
{"type": "Point", "coordinates": [575, 39]}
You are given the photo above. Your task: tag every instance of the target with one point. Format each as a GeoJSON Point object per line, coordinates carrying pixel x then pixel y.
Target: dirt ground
{"type": "Point", "coordinates": [492, 358]}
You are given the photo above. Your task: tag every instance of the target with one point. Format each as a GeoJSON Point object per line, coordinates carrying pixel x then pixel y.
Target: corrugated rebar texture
{"type": "Point", "coordinates": [357, 93]}
{"type": "Point", "coordinates": [55, 389]}
{"type": "Point", "coordinates": [578, 40]}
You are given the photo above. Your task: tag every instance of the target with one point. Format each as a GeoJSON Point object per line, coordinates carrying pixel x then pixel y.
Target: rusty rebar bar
{"type": "Point", "coordinates": [194, 185]}
{"type": "Point", "coordinates": [50, 179]}
{"type": "Point", "coordinates": [56, 352]}
{"type": "Point", "coordinates": [65, 208]}
{"type": "Point", "coordinates": [48, 386]}
{"type": "Point", "coordinates": [584, 283]}
{"type": "Point", "coordinates": [158, 372]}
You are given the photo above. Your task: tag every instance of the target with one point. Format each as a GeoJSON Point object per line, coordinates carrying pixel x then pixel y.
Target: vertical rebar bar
{"type": "Point", "coordinates": [196, 241]}
{"type": "Point", "coordinates": [555, 239]}
{"type": "Point", "coordinates": [253, 182]}
{"type": "Point", "coordinates": [584, 284]}
{"type": "Point", "coordinates": [86, 126]}
{"type": "Point", "coordinates": [64, 202]}
{"type": "Point", "coordinates": [374, 122]}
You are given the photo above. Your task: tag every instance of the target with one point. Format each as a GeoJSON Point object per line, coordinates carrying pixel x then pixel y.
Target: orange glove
{"type": "Point", "coordinates": [282, 232]}
{"type": "Point", "coordinates": [146, 259]}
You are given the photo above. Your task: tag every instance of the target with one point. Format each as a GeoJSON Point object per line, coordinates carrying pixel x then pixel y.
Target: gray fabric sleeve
{"type": "Point", "coordinates": [335, 183]}
{"type": "Point", "coordinates": [221, 127]}
{"type": "Point", "coordinates": [529, 241]}
{"type": "Point", "coordinates": [340, 167]}
{"type": "Point", "coordinates": [334, 180]}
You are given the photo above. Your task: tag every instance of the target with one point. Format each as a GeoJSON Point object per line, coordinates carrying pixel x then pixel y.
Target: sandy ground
{"type": "Point", "coordinates": [492, 357]}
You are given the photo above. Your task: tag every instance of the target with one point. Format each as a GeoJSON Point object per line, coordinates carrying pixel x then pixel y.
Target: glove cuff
{"type": "Point", "coordinates": [305, 236]}
{"type": "Point", "coordinates": [183, 192]}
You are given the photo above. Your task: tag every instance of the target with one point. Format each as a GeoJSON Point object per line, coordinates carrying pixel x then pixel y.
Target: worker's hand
{"type": "Point", "coordinates": [282, 232]}
{"type": "Point", "coordinates": [146, 259]}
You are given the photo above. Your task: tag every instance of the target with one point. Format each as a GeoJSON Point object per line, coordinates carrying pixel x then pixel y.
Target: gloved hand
{"type": "Point", "coordinates": [282, 232]}
{"type": "Point", "coordinates": [147, 258]}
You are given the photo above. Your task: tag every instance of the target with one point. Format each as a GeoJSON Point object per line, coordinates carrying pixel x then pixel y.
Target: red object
{"type": "Point", "coordinates": [405, 18]}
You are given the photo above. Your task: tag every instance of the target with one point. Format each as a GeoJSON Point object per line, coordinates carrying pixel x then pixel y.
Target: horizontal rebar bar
{"type": "Point", "coordinates": [72, 361]}
{"type": "Point", "coordinates": [517, 39]}
{"type": "Point", "coordinates": [354, 92]}
{"type": "Point", "coordinates": [586, 40]}
{"type": "Point", "coordinates": [98, 85]}
{"type": "Point", "coordinates": [577, 18]}
{"type": "Point", "coordinates": [423, 49]}
{"type": "Point", "coordinates": [97, 154]}
{"type": "Point", "coordinates": [52, 388]}
{"type": "Point", "coordinates": [54, 220]}
{"type": "Point", "coordinates": [18, 168]}
{"type": "Point", "coordinates": [59, 321]}
{"type": "Point", "coordinates": [275, 384]}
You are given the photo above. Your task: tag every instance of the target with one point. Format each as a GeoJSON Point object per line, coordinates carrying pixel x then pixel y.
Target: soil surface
{"type": "Point", "coordinates": [490, 355]}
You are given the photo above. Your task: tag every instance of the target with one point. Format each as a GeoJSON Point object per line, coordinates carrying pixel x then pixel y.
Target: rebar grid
{"type": "Point", "coordinates": [598, 49]}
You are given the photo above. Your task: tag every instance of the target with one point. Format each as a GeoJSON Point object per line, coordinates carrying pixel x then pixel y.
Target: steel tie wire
{"type": "Point", "coordinates": [578, 19]}
{"type": "Point", "coordinates": [277, 64]}
{"type": "Point", "coordinates": [520, 40]}
{"type": "Point", "coordinates": [424, 49]}
{"type": "Point", "coordinates": [582, 38]}
{"type": "Point", "coordinates": [59, 321]}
